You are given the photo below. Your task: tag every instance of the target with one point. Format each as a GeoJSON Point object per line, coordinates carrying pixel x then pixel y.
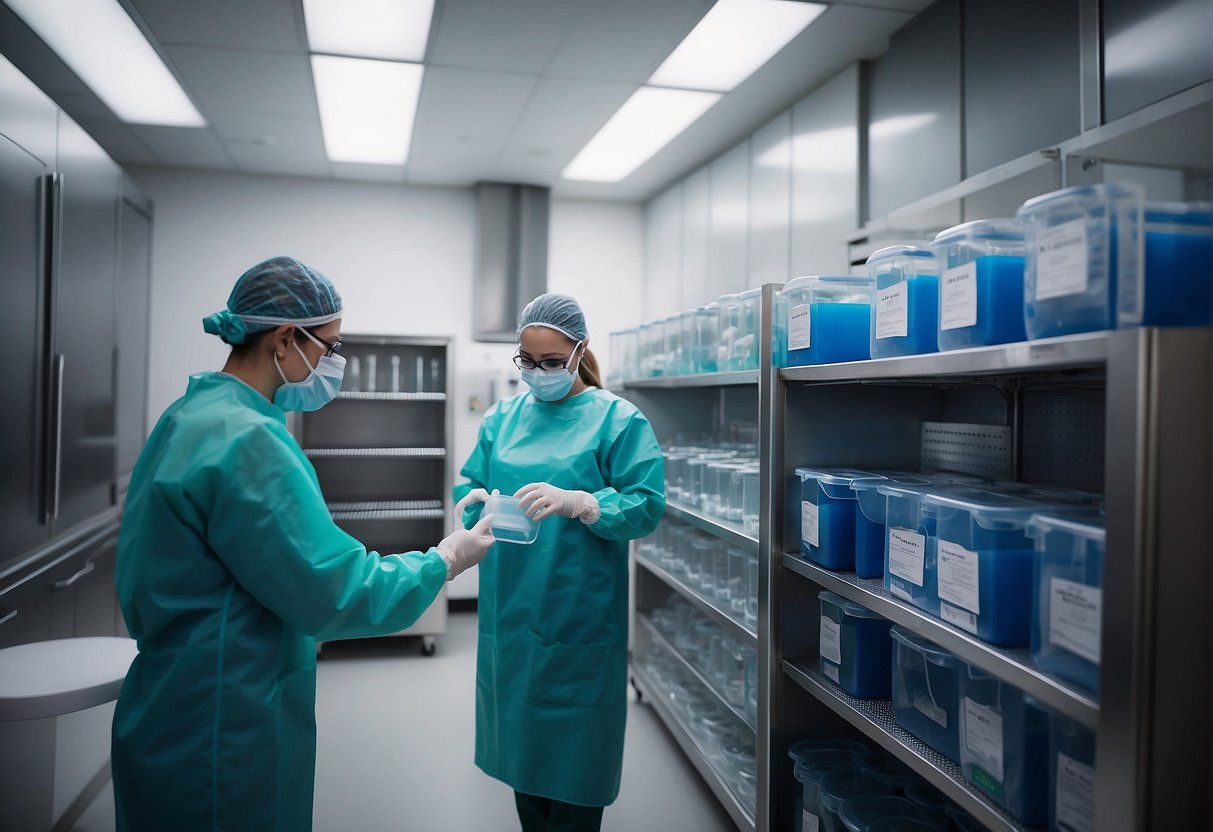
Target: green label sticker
{"type": "Point", "coordinates": [985, 781]}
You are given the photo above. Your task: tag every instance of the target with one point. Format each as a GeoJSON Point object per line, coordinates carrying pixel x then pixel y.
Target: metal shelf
{"type": "Point", "coordinates": [664, 643]}
{"type": "Point", "coordinates": [732, 378]}
{"type": "Point", "coordinates": [1012, 665]}
{"type": "Point", "coordinates": [875, 718]}
{"type": "Point", "coordinates": [391, 397]}
{"type": "Point", "coordinates": [391, 514]}
{"type": "Point", "coordinates": [728, 532]}
{"type": "Point", "coordinates": [385, 505]}
{"type": "Point", "coordinates": [652, 695]}
{"type": "Point", "coordinates": [380, 453]}
{"type": "Point", "coordinates": [1088, 350]}
{"type": "Point", "coordinates": [708, 607]}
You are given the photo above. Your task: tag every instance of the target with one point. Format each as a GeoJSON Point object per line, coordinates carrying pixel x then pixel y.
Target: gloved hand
{"type": "Point", "coordinates": [465, 548]}
{"type": "Point", "coordinates": [541, 500]}
{"type": "Point", "coordinates": [476, 495]}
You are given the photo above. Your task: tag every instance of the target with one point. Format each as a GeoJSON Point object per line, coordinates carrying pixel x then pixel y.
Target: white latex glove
{"type": "Point", "coordinates": [476, 495]}
{"type": "Point", "coordinates": [541, 500]}
{"type": "Point", "coordinates": [465, 548]}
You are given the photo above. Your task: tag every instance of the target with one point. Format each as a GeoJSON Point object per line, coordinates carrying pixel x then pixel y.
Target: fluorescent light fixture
{"type": "Point", "coordinates": [643, 125]}
{"type": "Point", "coordinates": [366, 108]}
{"type": "Point", "coordinates": [102, 45]}
{"type": "Point", "coordinates": [733, 40]}
{"type": "Point", "coordinates": [392, 30]}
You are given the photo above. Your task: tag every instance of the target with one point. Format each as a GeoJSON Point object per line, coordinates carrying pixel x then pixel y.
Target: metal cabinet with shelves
{"type": "Point", "coordinates": [381, 451]}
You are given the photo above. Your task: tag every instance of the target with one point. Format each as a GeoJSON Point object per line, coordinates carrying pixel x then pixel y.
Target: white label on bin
{"type": "Point", "coordinates": [809, 821]}
{"type": "Point", "coordinates": [831, 641]}
{"type": "Point", "coordinates": [959, 578]}
{"type": "Point", "coordinates": [958, 297]}
{"type": "Point", "coordinates": [808, 523]}
{"type": "Point", "coordinates": [1075, 795]}
{"type": "Point", "coordinates": [907, 551]}
{"type": "Point", "coordinates": [1061, 260]}
{"type": "Point", "coordinates": [963, 619]}
{"type": "Point", "coordinates": [800, 334]}
{"type": "Point", "coordinates": [831, 672]}
{"type": "Point", "coordinates": [983, 737]}
{"type": "Point", "coordinates": [924, 705]}
{"type": "Point", "coordinates": [1074, 618]}
{"type": "Point", "coordinates": [893, 311]}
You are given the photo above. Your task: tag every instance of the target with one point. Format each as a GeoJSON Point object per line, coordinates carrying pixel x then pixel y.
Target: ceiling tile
{"type": "Point", "coordinates": [238, 24]}
{"type": "Point", "coordinates": [184, 146]}
{"type": "Point", "coordinates": [516, 36]}
{"type": "Point", "coordinates": [239, 80]}
{"type": "Point", "coordinates": [463, 119]}
{"type": "Point", "coordinates": [292, 145]}
{"type": "Point", "coordinates": [625, 40]}
{"type": "Point", "coordinates": [368, 173]}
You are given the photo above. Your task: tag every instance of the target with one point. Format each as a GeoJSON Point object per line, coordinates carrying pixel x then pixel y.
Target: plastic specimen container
{"type": "Point", "coordinates": [859, 814]}
{"type": "Point", "coordinates": [1178, 263]}
{"type": "Point", "coordinates": [870, 520]}
{"type": "Point", "coordinates": [824, 320]}
{"type": "Point", "coordinates": [510, 523]}
{"type": "Point", "coordinates": [811, 768]}
{"type": "Point", "coordinates": [827, 516]}
{"type": "Point", "coordinates": [841, 786]}
{"type": "Point", "coordinates": [926, 691]}
{"type": "Point", "coordinates": [905, 301]}
{"type": "Point", "coordinates": [885, 767]}
{"type": "Point", "coordinates": [854, 647]}
{"type": "Point", "coordinates": [1071, 782]}
{"type": "Point", "coordinates": [980, 284]}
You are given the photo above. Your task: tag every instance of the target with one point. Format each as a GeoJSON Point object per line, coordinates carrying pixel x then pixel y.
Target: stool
{"type": "Point", "coordinates": [44, 687]}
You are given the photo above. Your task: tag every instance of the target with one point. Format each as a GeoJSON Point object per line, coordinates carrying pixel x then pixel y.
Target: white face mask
{"type": "Point", "coordinates": [318, 389]}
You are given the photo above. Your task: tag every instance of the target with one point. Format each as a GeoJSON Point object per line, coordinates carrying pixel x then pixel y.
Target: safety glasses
{"type": "Point", "coordinates": [525, 362]}
{"type": "Point", "coordinates": [330, 349]}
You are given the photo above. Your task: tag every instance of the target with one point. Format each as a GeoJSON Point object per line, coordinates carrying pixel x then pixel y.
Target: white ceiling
{"type": "Point", "coordinates": [513, 88]}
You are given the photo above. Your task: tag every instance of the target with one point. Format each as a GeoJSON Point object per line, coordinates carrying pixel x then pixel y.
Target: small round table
{"type": "Point", "coordinates": [51, 678]}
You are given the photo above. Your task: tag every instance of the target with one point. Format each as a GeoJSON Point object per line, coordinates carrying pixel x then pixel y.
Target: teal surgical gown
{"type": "Point", "coordinates": [551, 672]}
{"type": "Point", "coordinates": [229, 568]}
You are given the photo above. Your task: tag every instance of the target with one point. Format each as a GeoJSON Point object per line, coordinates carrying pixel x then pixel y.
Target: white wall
{"type": "Point", "coordinates": [401, 256]}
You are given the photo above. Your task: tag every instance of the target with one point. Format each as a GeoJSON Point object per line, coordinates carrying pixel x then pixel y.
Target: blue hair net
{"type": "Point", "coordinates": [558, 312]}
{"type": "Point", "coordinates": [277, 291]}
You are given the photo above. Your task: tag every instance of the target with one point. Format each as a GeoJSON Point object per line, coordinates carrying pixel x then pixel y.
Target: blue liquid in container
{"type": "Point", "coordinates": [922, 326]}
{"type": "Point", "coordinates": [1179, 278]}
{"type": "Point", "coordinates": [838, 332]}
{"type": "Point", "coordinates": [999, 306]}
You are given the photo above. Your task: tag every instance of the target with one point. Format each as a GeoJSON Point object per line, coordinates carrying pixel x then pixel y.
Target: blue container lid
{"type": "Point", "coordinates": [889, 252]}
{"type": "Point", "coordinates": [858, 812]}
{"type": "Point", "coordinates": [798, 749]}
{"type": "Point", "coordinates": [930, 651]}
{"type": "Point", "coordinates": [814, 765]}
{"type": "Point", "coordinates": [833, 476]}
{"type": "Point", "coordinates": [1180, 213]}
{"type": "Point", "coordinates": [1102, 191]}
{"type": "Point", "coordinates": [1085, 523]}
{"type": "Point", "coordinates": [989, 509]}
{"type": "Point", "coordinates": [1007, 228]}
{"type": "Point", "coordinates": [879, 478]}
{"type": "Point", "coordinates": [848, 607]}
{"type": "Point", "coordinates": [843, 785]}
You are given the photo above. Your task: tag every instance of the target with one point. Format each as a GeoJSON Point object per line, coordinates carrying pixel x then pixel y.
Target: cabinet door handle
{"type": "Point", "coordinates": [84, 570]}
{"type": "Point", "coordinates": [55, 461]}
{"type": "Point", "coordinates": [7, 616]}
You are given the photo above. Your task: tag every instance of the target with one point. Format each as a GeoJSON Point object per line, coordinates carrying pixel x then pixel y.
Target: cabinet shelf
{"type": "Point", "coordinates": [710, 607]}
{"type": "Point", "coordinates": [1069, 352]}
{"type": "Point", "coordinates": [728, 532]}
{"type": "Point", "coordinates": [376, 453]}
{"type": "Point", "coordinates": [663, 642]}
{"type": "Point", "coordinates": [874, 717]}
{"type": "Point", "coordinates": [391, 397]}
{"type": "Point", "coordinates": [733, 378]}
{"type": "Point", "coordinates": [686, 741]}
{"type": "Point", "coordinates": [1012, 665]}
{"type": "Point", "coordinates": [388, 510]}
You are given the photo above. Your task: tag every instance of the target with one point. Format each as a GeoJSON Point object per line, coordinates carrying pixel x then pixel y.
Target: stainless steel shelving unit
{"type": "Point", "coordinates": [730, 533]}
{"type": "Point", "coordinates": [708, 606]}
{"type": "Point", "coordinates": [733, 378]}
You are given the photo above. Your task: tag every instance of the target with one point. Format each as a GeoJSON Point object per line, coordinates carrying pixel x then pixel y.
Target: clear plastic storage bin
{"type": "Point", "coordinates": [926, 691]}
{"type": "Point", "coordinates": [1004, 745]}
{"type": "Point", "coordinates": [983, 563]}
{"type": "Point", "coordinates": [745, 349]}
{"type": "Point", "coordinates": [870, 520]}
{"type": "Point", "coordinates": [888, 769]}
{"type": "Point", "coordinates": [1080, 243]}
{"type": "Point", "coordinates": [909, 546]}
{"type": "Point", "coordinates": [840, 787]}
{"type": "Point", "coordinates": [1067, 604]}
{"type": "Point", "coordinates": [854, 647]}
{"type": "Point", "coordinates": [827, 516]}
{"type": "Point", "coordinates": [811, 768]}
{"type": "Point", "coordinates": [980, 284]}
{"type": "Point", "coordinates": [824, 320]}
{"type": "Point", "coordinates": [1071, 775]}
{"type": "Point", "coordinates": [1178, 264]}
{"type": "Point", "coordinates": [905, 301]}
{"type": "Point", "coordinates": [861, 814]}
{"type": "Point", "coordinates": [510, 523]}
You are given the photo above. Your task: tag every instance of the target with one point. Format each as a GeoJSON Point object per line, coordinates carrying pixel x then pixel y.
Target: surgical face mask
{"type": "Point", "coordinates": [551, 385]}
{"type": "Point", "coordinates": [318, 389]}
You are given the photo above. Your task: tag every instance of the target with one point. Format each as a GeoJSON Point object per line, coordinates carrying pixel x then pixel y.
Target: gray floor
{"type": "Point", "coordinates": [395, 750]}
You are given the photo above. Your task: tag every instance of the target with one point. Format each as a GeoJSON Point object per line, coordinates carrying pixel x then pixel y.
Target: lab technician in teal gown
{"type": "Point", "coordinates": [551, 674]}
{"type": "Point", "coordinates": [230, 567]}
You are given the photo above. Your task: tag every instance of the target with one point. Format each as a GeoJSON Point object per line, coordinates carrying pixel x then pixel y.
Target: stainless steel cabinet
{"type": "Point", "coordinates": [133, 297]}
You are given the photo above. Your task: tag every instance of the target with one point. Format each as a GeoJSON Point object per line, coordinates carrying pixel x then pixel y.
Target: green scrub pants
{"type": "Point", "coordinates": [540, 814]}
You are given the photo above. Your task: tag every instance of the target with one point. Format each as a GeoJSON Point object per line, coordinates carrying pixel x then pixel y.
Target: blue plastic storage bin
{"type": "Point", "coordinates": [840, 787]}
{"type": "Point", "coordinates": [1067, 604]}
{"type": "Point", "coordinates": [905, 301]}
{"type": "Point", "coordinates": [909, 546]}
{"type": "Point", "coordinates": [983, 563]}
{"type": "Point", "coordinates": [824, 320]}
{"type": "Point", "coordinates": [926, 692]}
{"type": "Point", "coordinates": [1178, 264]}
{"type": "Point", "coordinates": [854, 647]}
{"type": "Point", "coordinates": [870, 520]}
{"type": "Point", "coordinates": [1071, 775]}
{"type": "Point", "coordinates": [810, 770]}
{"type": "Point", "coordinates": [859, 814]}
{"type": "Point", "coordinates": [1080, 243]}
{"type": "Point", "coordinates": [980, 284]}
{"type": "Point", "coordinates": [1004, 745]}
{"type": "Point", "coordinates": [827, 516]}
